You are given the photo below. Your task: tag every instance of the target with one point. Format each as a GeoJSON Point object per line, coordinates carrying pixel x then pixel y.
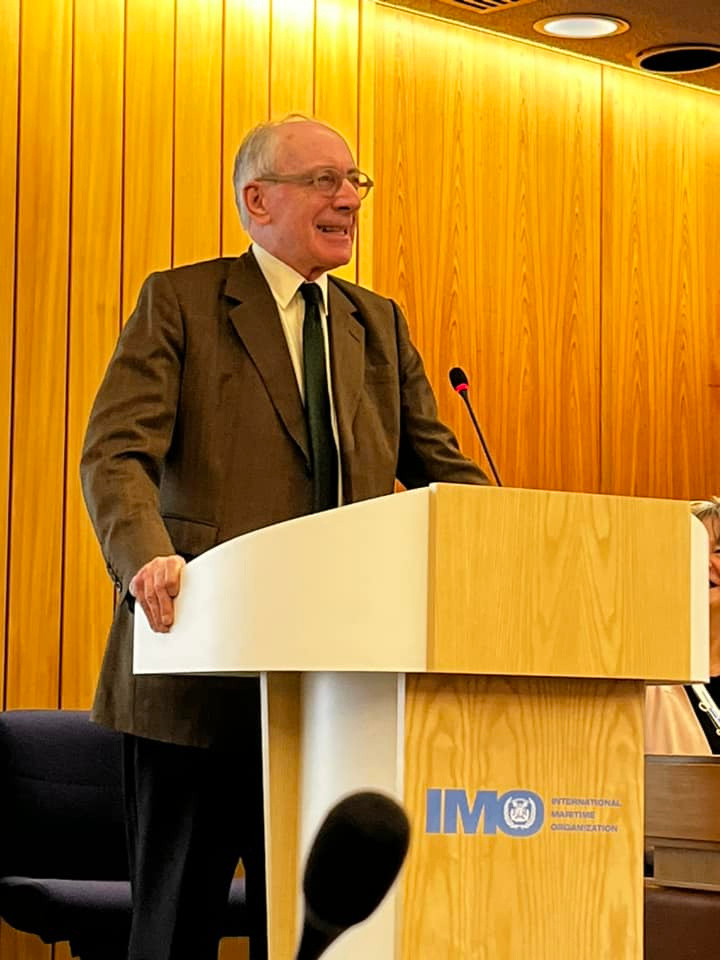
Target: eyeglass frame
{"type": "Point", "coordinates": [311, 178]}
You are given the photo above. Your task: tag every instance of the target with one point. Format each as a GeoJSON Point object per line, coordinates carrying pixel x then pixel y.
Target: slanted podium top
{"type": "Point", "coordinates": [451, 579]}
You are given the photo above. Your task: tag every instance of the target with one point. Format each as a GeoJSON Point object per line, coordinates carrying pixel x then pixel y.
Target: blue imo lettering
{"type": "Point", "coordinates": [516, 813]}
{"type": "Point", "coordinates": [457, 807]}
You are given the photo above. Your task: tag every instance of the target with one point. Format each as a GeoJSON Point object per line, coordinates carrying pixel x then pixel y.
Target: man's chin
{"type": "Point", "coordinates": [337, 253]}
{"type": "Point", "coordinates": [334, 264]}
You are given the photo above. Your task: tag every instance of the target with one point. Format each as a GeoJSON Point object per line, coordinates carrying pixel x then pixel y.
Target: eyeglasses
{"type": "Point", "coordinates": [327, 181]}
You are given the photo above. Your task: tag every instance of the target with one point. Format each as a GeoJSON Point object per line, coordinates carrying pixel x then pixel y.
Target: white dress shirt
{"type": "Point", "coordinates": [284, 283]}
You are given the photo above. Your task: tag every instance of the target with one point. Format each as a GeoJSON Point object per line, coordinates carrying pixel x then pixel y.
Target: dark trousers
{"type": "Point", "coordinates": [191, 814]}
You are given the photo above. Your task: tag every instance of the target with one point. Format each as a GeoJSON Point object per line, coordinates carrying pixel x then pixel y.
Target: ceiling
{"type": "Point", "coordinates": [653, 23]}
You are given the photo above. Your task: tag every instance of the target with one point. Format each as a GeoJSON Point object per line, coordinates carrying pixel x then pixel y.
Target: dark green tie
{"type": "Point", "coordinates": [323, 451]}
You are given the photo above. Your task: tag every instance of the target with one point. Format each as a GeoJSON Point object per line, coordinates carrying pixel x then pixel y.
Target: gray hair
{"type": "Point", "coordinates": [707, 509]}
{"type": "Point", "coordinates": [256, 157]}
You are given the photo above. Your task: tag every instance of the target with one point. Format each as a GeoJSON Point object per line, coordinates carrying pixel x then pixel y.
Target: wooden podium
{"type": "Point", "coordinates": [481, 654]}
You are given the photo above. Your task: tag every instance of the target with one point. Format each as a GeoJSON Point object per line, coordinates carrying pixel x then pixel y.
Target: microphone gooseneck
{"type": "Point", "coordinates": [353, 861]}
{"type": "Point", "coordinates": [459, 382]}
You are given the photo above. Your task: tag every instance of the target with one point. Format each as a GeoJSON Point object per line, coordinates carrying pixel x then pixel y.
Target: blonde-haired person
{"type": "Point", "coordinates": [686, 719]}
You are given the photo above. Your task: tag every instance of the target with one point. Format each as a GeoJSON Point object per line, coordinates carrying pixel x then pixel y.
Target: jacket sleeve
{"type": "Point", "coordinates": [129, 432]}
{"type": "Point", "coordinates": [429, 451]}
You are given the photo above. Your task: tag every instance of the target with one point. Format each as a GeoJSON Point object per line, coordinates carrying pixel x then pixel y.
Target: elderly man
{"type": "Point", "coordinates": [242, 392]}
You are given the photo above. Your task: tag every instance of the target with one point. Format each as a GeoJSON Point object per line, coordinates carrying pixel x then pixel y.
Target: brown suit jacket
{"type": "Point", "coordinates": [198, 435]}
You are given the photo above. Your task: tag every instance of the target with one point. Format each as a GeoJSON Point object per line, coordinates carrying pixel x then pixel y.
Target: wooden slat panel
{"type": "Point", "coordinates": [198, 89]}
{"type": "Point", "coordinates": [147, 212]}
{"type": "Point", "coordinates": [366, 137]}
{"type": "Point", "coordinates": [661, 288]}
{"type": "Point", "coordinates": [9, 65]}
{"type": "Point", "coordinates": [336, 77]}
{"type": "Point", "coordinates": [13, 945]}
{"type": "Point", "coordinates": [487, 229]}
{"type": "Point", "coordinates": [21, 946]}
{"type": "Point", "coordinates": [336, 66]}
{"type": "Point", "coordinates": [94, 321]}
{"type": "Point", "coordinates": [291, 57]}
{"type": "Point", "coordinates": [282, 704]}
{"type": "Point", "coordinates": [247, 28]}
{"type": "Point", "coordinates": [40, 359]}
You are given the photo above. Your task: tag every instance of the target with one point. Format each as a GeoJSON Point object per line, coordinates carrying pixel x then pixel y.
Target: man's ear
{"type": "Point", "coordinates": [254, 197]}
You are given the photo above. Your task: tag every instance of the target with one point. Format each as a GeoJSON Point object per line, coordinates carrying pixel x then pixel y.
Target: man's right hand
{"type": "Point", "coordinates": [155, 587]}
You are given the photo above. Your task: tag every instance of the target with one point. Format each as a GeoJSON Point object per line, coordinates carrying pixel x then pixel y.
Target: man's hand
{"type": "Point", "coordinates": [155, 587]}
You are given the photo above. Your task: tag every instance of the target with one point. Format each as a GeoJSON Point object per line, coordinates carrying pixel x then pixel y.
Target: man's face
{"type": "Point", "coordinates": [295, 222]}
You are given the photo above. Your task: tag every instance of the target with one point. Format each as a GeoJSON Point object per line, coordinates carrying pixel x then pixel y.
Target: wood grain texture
{"type": "Point", "coordinates": [542, 583]}
{"type": "Point", "coordinates": [246, 99]}
{"type": "Point", "coordinates": [148, 170]}
{"type": "Point", "coordinates": [337, 24]}
{"type": "Point", "coordinates": [198, 128]}
{"type": "Point", "coordinates": [682, 798]}
{"type": "Point", "coordinates": [281, 748]}
{"type": "Point", "coordinates": [487, 158]}
{"type": "Point", "coordinates": [292, 53]}
{"type": "Point", "coordinates": [234, 948]}
{"type": "Point", "coordinates": [95, 271]}
{"type": "Point", "coordinates": [661, 300]}
{"type": "Point", "coordinates": [487, 231]}
{"type": "Point", "coordinates": [551, 896]}
{"type": "Point", "coordinates": [22, 946]}
{"type": "Point", "coordinates": [336, 66]}
{"type": "Point", "coordinates": [9, 76]}
{"type": "Point", "coordinates": [686, 863]}
{"type": "Point", "coordinates": [366, 138]}
{"type": "Point", "coordinates": [38, 468]}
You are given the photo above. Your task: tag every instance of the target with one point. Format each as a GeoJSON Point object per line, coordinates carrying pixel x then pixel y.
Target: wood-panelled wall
{"type": "Point", "coordinates": [550, 224]}
{"type": "Point", "coordinates": [546, 222]}
{"type": "Point", "coordinates": [119, 121]}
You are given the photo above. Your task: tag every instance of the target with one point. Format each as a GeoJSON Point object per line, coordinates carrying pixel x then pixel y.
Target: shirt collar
{"type": "Point", "coordinates": [283, 280]}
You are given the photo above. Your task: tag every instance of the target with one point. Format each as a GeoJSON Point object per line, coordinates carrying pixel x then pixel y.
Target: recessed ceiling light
{"type": "Point", "coordinates": [581, 26]}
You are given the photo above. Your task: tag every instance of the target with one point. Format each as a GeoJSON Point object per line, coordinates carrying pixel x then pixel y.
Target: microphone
{"type": "Point", "coordinates": [353, 861]}
{"type": "Point", "coordinates": [459, 381]}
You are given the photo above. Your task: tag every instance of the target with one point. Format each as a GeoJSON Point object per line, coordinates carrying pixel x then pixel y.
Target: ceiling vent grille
{"type": "Point", "coordinates": [487, 6]}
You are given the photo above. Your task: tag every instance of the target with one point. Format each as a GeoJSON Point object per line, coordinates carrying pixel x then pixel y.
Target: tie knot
{"type": "Point", "coordinates": [312, 294]}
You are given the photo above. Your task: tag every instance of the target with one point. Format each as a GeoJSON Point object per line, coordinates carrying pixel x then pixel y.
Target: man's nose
{"type": "Point", "coordinates": [346, 197]}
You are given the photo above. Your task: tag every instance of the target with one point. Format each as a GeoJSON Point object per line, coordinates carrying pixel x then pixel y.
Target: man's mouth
{"type": "Point", "coordinates": [328, 228]}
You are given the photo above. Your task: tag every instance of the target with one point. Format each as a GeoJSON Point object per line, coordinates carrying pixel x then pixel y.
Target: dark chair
{"type": "Point", "coordinates": [63, 858]}
{"type": "Point", "coordinates": [681, 923]}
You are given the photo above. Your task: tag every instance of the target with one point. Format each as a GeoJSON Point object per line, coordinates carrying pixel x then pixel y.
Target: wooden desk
{"type": "Point", "coordinates": [682, 818]}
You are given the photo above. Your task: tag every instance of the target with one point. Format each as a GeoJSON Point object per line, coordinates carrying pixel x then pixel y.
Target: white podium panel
{"type": "Point", "coordinates": [308, 595]}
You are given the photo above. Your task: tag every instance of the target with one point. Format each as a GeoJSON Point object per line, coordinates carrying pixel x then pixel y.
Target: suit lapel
{"type": "Point", "coordinates": [347, 361]}
{"type": "Point", "coordinates": [257, 322]}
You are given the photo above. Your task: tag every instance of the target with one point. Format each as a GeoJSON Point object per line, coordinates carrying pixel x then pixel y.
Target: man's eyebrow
{"type": "Point", "coordinates": [331, 166]}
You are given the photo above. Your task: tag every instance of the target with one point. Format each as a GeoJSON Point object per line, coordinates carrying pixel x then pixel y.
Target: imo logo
{"type": "Point", "coordinates": [516, 813]}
